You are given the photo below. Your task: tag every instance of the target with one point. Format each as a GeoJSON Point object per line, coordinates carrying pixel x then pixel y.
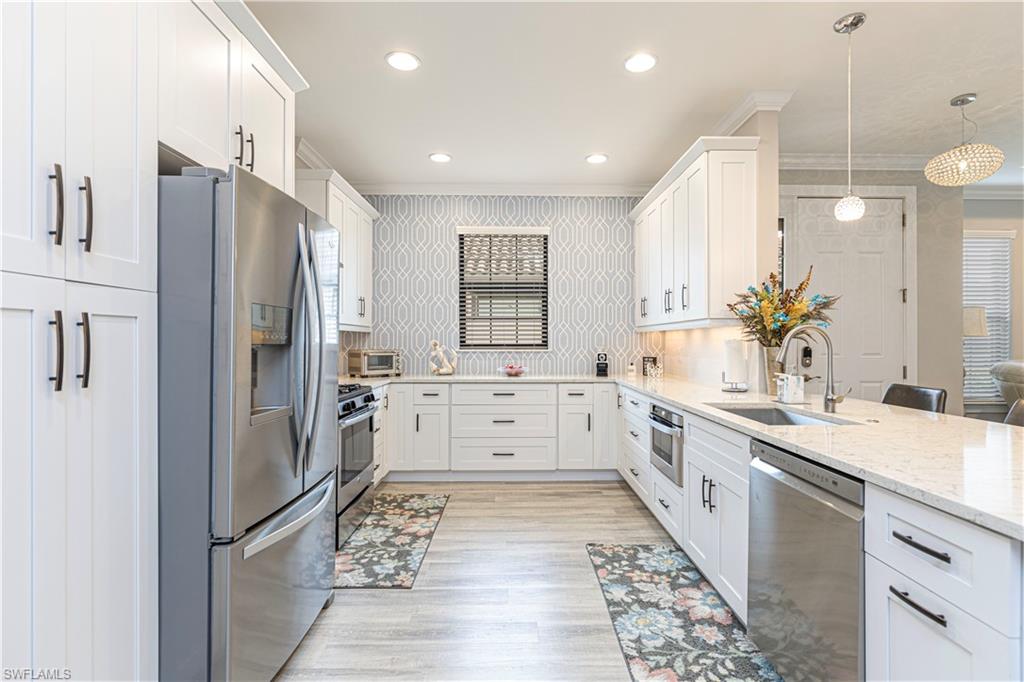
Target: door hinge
{"type": "Point", "coordinates": [903, 294]}
{"type": "Point", "coordinates": [904, 371]}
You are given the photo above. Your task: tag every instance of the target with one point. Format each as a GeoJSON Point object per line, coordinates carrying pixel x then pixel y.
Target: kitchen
{"type": "Point", "coordinates": [523, 280]}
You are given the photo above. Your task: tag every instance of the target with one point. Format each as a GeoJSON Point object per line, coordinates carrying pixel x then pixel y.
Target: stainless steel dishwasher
{"type": "Point", "coordinates": [806, 571]}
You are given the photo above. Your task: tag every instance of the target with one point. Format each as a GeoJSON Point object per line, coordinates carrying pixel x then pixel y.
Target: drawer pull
{"type": "Point", "coordinates": [905, 598]}
{"type": "Point", "coordinates": [376, 466]}
{"type": "Point", "coordinates": [634, 403]}
{"type": "Point", "coordinates": [634, 472]}
{"type": "Point", "coordinates": [503, 395]}
{"type": "Point", "coordinates": [935, 554]}
{"type": "Point", "coordinates": [663, 503]}
{"type": "Point", "coordinates": [576, 395]}
{"type": "Point", "coordinates": [503, 454]}
{"type": "Point", "coordinates": [430, 395]}
{"type": "Point", "coordinates": [503, 421]}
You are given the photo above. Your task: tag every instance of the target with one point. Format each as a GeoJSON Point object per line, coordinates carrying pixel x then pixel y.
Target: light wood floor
{"type": "Point", "coordinates": [506, 592]}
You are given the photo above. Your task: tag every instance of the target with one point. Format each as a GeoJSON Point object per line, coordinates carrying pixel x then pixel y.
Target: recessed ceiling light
{"type": "Point", "coordinates": [440, 157]}
{"type": "Point", "coordinates": [403, 61]}
{"type": "Point", "coordinates": [597, 158]}
{"type": "Point", "coordinates": [640, 62]}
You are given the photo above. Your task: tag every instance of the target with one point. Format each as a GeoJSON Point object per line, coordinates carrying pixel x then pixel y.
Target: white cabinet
{"type": "Point", "coordinates": [329, 195]}
{"type": "Point", "coordinates": [220, 101]}
{"type": "Point", "coordinates": [79, 478]}
{"type": "Point", "coordinates": [381, 433]}
{"type": "Point", "coordinates": [575, 436]}
{"type": "Point", "coordinates": [430, 437]}
{"type": "Point", "coordinates": [606, 425]}
{"type": "Point", "coordinates": [695, 235]}
{"type": "Point", "coordinates": [79, 140]}
{"type": "Point", "coordinates": [399, 453]}
{"type": "Point", "coordinates": [715, 523]}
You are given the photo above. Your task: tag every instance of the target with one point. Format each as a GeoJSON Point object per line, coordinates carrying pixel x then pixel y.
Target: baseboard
{"type": "Point", "coordinates": [509, 476]}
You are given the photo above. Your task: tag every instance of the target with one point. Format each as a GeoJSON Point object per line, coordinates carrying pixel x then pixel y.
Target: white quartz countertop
{"type": "Point", "coordinates": [970, 468]}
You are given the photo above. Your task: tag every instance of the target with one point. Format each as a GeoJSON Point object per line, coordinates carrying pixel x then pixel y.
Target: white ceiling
{"type": "Point", "coordinates": [520, 93]}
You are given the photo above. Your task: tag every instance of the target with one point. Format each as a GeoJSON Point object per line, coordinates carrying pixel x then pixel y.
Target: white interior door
{"type": "Point", "coordinates": [862, 263]}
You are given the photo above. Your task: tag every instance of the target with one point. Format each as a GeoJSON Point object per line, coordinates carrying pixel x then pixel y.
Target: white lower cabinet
{"type": "Point", "coordinates": [79, 478]}
{"type": "Point", "coordinates": [699, 534]}
{"type": "Point", "coordinates": [606, 425]}
{"type": "Point", "coordinates": [506, 454]}
{"type": "Point", "coordinates": [381, 431]}
{"type": "Point", "coordinates": [913, 634]}
{"type": "Point", "coordinates": [636, 470]}
{"type": "Point", "coordinates": [575, 436]}
{"type": "Point", "coordinates": [400, 428]}
{"type": "Point", "coordinates": [430, 437]}
{"type": "Point", "coordinates": [667, 504]}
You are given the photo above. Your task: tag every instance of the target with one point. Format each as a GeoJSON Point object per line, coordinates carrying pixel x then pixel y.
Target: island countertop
{"type": "Point", "coordinates": [969, 468]}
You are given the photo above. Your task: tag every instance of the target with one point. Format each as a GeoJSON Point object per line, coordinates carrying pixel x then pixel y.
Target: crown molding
{"type": "Point", "coordinates": [994, 193]}
{"type": "Point", "coordinates": [304, 152]}
{"type": "Point", "coordinates": [246, 22]}
{"type": "Point", "coordinates": [905, 162]}
{"type": "Point", "coordinates": [501, 189]}
{"type": "Point", "coordinates": [758, 100]}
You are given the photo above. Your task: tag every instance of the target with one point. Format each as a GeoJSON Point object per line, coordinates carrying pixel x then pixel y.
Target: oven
{"type": "Point", "coordinates": [667, 442]}
{"type": "Point", "coordinates": [355, 463]}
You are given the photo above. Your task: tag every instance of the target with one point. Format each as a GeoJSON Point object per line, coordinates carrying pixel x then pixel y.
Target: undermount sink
{"type": "Point", "coordinates": [776, 416]}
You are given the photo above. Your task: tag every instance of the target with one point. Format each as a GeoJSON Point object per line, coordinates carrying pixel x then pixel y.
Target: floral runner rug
{"type": "Point", "coordinates": [387, 548]}
{"type": "Point", "coordinates": [671, 624]}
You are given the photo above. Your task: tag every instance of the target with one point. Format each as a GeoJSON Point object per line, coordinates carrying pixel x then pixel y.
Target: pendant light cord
{"type": "Point", "coordinates": [963, 127]}
{"type": "Point", "coordinates": [849, 113]}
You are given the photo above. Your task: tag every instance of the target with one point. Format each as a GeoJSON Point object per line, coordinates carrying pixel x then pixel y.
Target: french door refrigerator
{"type": "Point", "coordinates": [248, 426]}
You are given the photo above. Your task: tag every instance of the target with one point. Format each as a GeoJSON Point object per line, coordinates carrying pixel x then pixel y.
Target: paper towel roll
{"type": "Point", "coordinates": [735, 362]}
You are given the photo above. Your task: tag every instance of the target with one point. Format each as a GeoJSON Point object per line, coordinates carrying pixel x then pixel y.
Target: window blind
{"type": "Point", "coordinates": [986, 274]}
{"type": "Point", "coordinates": [503, 290]}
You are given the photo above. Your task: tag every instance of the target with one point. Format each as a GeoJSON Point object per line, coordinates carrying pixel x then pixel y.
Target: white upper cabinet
{"type": "Point", "coordinates": [111, 176]}
{"type": "Point", "coordinates": [695, 236]}
{"type": "Point", "coordinates": [221, 102]}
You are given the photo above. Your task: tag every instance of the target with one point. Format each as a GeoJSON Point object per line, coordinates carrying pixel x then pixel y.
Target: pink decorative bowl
{"type": "Point", "coordinates": [516, 371]}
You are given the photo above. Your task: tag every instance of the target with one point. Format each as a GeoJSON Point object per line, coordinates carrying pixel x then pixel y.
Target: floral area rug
{"type": "Point", "coordinates": [386, 550]}
{"type": "Point", "coordinates": [671, 624]}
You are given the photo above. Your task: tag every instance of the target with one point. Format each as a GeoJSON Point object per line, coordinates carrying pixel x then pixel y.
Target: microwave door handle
{"type": "Point", "coordinates": [321, 338]}
{"type": "Point", "coordinates": [670, 430]}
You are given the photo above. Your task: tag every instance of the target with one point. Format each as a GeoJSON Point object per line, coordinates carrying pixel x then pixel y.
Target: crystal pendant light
{"type": "Point", "coordinates": [968, 162]}
{"type": "Point", "coordinates": [850, 207]}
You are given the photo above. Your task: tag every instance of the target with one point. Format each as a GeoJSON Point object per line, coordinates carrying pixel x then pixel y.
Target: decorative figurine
{"type": "Point", "coordinates": [440, 363]}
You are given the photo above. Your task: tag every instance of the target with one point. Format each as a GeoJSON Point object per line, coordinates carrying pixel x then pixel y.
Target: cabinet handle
{"type": "Point", "coordinates": [663, 503]}
{"type": "Point", "coordinates": [87, 188]}
{"type": "Point", "coordinates": [377, 430]}
{"type": "Point", "coordinates": [505, 395]}
{"type": "Point", "coordinates": [634, 472]}
{"type": "Point", "coordinates": [634, 403]}
{"type": "Point", "coordinates": [934, 553]}
{"type": "Point", "coordinates": [386, 402]}
{"type": "Point", "coordinates": [430, 395]}
{"type": "Point", "coordinates": [634, 433]}
{"type": "Point", "coordinates": [241, 145]}
{"type": "Point", "coordinates": [682, 296]}
{"type": "Point", "coordinates": [576, 394]}
{"type": "Point", "coordinates": [618, 401]}
{"type": "Point", "coordinates": [58, 226]}
{"type": "Point", "coordinates": [503, 421]}
{"type": "Point", "coordinates": [417, 422]}
{"type": "Point", "coordinates": [711, 506]}
{"type": "Point", "coordinates": [905, 598]}
{"type": "Point", "coordinates": [588, 421]}
{"type": "Point", "coordinates": [58, 322]}
{"type": "Point", "coordinates": [668, 299]}
{"type": "Point", "coordinates": [252, 154]}
{"type": "Point", "coordinates": [87, 347]}
{"type": "Point", "coordinates": [376, 466]}
{"type": "Point", "coordinates": [503, 454]}
{"type": "Point", "coordinates": [703, 499]}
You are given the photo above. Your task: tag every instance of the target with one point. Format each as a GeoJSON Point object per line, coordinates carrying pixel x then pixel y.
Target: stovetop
{"type": "Point", "coordinates": [353, 397]}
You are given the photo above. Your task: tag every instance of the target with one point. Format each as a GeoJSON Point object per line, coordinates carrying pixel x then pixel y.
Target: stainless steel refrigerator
{"type": "Point", "coordinates": [248, 426]}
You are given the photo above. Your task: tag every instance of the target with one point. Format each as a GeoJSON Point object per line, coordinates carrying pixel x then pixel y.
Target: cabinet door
{"type": "Point", "coordinates": [700, 539]}
{"type": "Point", "coordinates": [678, 271]}
{"type": "Point", "coordinates": [33, 471]}
{"type": "Point", "coordinates": [640, 271]}
{"type": "Point", "coordinates": [902, 643]}
{"type": "Point", "coordinates": [729, 497]}
{"type": "Point", "coordinates": [199, 83]}
{"type": "Point", "coordinates": [666, 254]}
{"type": "Point", "coordinates": [268, 121]}
{"type": "Point", "coordinates": [655, 294]}
{"type": "Point", "coordinates": [32, 135]}
{"type": "Point", "coordinates": [693, 221]}
{"type": "Point", "coordinates": [111, 210]}
{"type": "Point", "coordinates": [112, 483]}
{"type": "Point", "coordinates": [401, 423]}
{"type": "Point", "coordinates": [575, 437]}
{"type": "Point", "coordinates": [430, 441]}
{"type": "Point", "coordinates": [366, 268]}
{"type": "Point", "coordinates": [350, 260]}
{"type": "Point", "coordinates": [606, 425]}
{"type": "Point", "coordinates": [731, 220]}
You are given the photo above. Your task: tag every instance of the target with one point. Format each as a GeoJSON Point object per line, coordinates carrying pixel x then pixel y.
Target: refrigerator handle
{"type": "Point", "coordinates": [308, 306]}
{"type": "Point", "coordinates": [271, 535]}
{"type": "Point", "coordinates": [321, 339]}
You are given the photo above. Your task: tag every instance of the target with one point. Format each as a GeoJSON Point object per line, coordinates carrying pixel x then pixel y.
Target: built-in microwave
{"type": "Point", "coordinates": [667, 442]}
{"type": "Point", "coordinates": [374, 363]}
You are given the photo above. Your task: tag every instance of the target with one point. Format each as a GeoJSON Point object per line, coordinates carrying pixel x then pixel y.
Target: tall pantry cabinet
{"type": "Point", "coordinates": [78, 488]}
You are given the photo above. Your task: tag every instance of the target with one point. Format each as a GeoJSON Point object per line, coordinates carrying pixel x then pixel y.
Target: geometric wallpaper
{"type": "Point", "coordinates": [590, 250]}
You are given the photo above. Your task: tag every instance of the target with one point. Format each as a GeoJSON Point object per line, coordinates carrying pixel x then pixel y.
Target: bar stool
{"type": "Point", "coordinates": [916, 397]}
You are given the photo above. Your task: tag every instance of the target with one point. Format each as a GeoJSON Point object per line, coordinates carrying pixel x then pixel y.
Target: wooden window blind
{"type": "Point", "coordinates": [986, 273]}
{"type": "Point", "coordinates": [503, 290]}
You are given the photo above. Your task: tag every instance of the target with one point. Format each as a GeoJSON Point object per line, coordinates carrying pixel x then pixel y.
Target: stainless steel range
{"type": "Point", "coordinates": [356, 410]}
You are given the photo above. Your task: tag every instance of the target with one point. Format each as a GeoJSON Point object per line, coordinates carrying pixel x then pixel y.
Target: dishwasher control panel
{"type": "Point", "coordinates": [816, 474]}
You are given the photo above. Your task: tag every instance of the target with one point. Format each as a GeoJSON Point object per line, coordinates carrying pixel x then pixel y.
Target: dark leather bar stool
{"type": "Point", "coordinates": [916, 397]}
{"type": "Point", "coordinates": [1016, 414]}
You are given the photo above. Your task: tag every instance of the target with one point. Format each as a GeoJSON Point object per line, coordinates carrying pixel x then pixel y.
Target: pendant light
{"type": "Point", "coordinates": [850, 207]}
{"type": "Point", "coordinates": [968, 162]}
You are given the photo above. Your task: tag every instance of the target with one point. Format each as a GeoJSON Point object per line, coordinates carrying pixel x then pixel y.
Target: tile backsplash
{"type": "Point", "coordinates": [590, 273]}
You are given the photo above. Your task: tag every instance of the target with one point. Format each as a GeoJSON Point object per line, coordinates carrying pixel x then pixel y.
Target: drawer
{"type": "Point", "coordinates": [982, 573]}
{"type": "Point", "coordinates": [635, 404]}
{"type": "Point", "coordinates": [667, 504]}
{"type": "Point", "coordinates": [507, 393]}
{"type": "Point", "coordinates": [575, 394]}
{"type": "Point", "coordinates": [506, 421]}
{"type": "Point", "coordinates": [637, 471]}
{"type": "Point", "coordinates": [725, 447]}
{"type": "Point", "coordinates": [637, 431]}
{"type": "Point", "coordinates": [504, 454]}
{"type": "Point", "coordinates": [430, 394]}
{"type": "Point", "coordinates": [902, 642]}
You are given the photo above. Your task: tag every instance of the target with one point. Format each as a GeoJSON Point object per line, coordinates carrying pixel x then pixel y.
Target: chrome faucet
{"type": "Point", "coordinates": [801, 330]}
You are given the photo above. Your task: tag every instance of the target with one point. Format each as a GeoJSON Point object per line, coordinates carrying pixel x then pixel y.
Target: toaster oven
{"type": "Point", "coordinates": [374, 363]}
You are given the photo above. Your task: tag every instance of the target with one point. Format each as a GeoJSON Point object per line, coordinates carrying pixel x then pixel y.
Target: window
{"type": "Point", "coordinates": [986, 272]}
{"type": "Point", "coordinates": [503, 288]}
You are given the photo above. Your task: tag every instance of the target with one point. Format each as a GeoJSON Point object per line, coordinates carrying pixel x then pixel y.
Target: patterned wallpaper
{"type": "Point", "coordinates": [591, 265]}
